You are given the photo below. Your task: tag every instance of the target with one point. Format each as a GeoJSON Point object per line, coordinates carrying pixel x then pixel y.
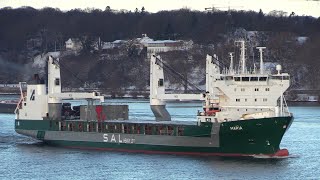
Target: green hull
{"type": "Point", "coordinates": [236, 138]}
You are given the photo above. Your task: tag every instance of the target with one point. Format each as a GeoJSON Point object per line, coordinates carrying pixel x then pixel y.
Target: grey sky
{"type": "Point", "coordinates": [300, 7]}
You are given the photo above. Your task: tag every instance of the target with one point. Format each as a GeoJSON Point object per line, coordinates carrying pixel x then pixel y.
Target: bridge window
{"type": "Point", "coordinates": [254, 79]}
{"type": "Point", "coordinates": [281, 77]}
{"type": "Point", "coordinates": [262, 78]}
{"type": "Point", "coordinates": [286, 77]}
{"type": "Point", "coordinates": [245, 78]}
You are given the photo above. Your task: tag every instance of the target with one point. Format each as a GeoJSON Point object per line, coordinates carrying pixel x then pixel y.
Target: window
{"type": "Point", "coordinates": [255, 100]}
{"type": "Point", "coordinates": [243, 89]}
{"type": "Point", "coordinates": [254, 79]}
{"type": "Point", "coordinates": [237, 100]}
{"type": "Point", "coordinates": [280, 77]}
{"type": "Point", "coordinates": [160, 82]}
{"type": "Point", "coordinates": [262, 78]}
{"type": "Point", "coordinates": [235, 89]}
{"type": "Point", "coordinates": [256, 89]}
{"type": "Point", "coordinates": [286, 77]}
{"type": "Point", "coordinates": [57, 81]}
{"type": "Point", "coordinates": [276, 77]}
{"type": "Point", "coordinates": [245, 78]}
{"type": "Point", "coordinates": [245, 100]}
{"type": "Point", "coordinates": [237, 78]}
{"type": "Point", "coordinates": [267, 89]}
{"type": "Point", "coordinates": [265, 99]}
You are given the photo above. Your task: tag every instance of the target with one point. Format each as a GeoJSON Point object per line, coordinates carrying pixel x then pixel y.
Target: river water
{"type": "Point", "coordinates": [24, 158]}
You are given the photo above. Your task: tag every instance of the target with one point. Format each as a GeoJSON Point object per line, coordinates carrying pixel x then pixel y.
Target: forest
{"type": "Point", "coordinates": [26, 32]}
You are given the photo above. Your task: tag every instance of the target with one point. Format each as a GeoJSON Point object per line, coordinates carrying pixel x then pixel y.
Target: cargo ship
{"type": "Point", "coordinates": [244, 114]}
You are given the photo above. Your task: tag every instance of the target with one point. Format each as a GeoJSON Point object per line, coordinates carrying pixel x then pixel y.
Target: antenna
{"type": "Point", "coordinates": [231, 62]}
{"type": "Point", "coordinates": [261, 59]}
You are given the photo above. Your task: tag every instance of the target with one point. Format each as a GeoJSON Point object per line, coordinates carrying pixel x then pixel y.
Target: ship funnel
{"type": "Point", "coordinates": [279, 68]}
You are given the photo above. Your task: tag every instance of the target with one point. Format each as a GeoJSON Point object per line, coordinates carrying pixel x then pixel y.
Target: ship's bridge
{"type": "Point", "coordinates": [253, 78]}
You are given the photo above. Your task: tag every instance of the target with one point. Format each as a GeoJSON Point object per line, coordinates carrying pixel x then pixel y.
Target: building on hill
{"type": "Point", "coordinates": [159, 45]}
{"type": "Point", "coordinates": [153, 46]}
{"type": "Point", "coordinates": [111, 45]}
{"type": "Point", "coordinates": [73, 44]}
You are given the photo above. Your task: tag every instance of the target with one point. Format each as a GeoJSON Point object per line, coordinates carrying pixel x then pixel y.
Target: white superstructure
{"type": "Point", "coordinates": [38, 103]}
{"type": "Point", "coordinates": [231, 93]}
{"type": "Point", "coordinates": [243, 94]}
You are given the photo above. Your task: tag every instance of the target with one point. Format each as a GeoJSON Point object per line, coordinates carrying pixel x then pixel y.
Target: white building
{"type": "Point", "coordinates": [111, 45]}
{"type": "Point", "coordinates": [159, 45]}
{"type": "Point", "coordinates": [73, 44]}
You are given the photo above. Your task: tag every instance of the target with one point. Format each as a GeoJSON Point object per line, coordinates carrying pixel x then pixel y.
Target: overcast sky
{"type": "Point", "coordinates": [300, 7]}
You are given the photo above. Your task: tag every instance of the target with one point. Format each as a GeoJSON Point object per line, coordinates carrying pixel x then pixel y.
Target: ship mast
{"type": "Point", "coordinates": [261, 59]}
{"type": "Point", "coordinates": [242, 55]}
{"type": "Point", "coordinates": [231, 62]}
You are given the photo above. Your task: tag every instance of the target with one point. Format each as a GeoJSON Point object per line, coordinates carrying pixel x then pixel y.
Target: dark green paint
{"type": "Point", "coordinates": [258, 136]}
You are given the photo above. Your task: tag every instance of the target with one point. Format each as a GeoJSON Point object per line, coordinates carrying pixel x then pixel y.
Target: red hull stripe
{"type": "Point", "coordinates": [280, 153]}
